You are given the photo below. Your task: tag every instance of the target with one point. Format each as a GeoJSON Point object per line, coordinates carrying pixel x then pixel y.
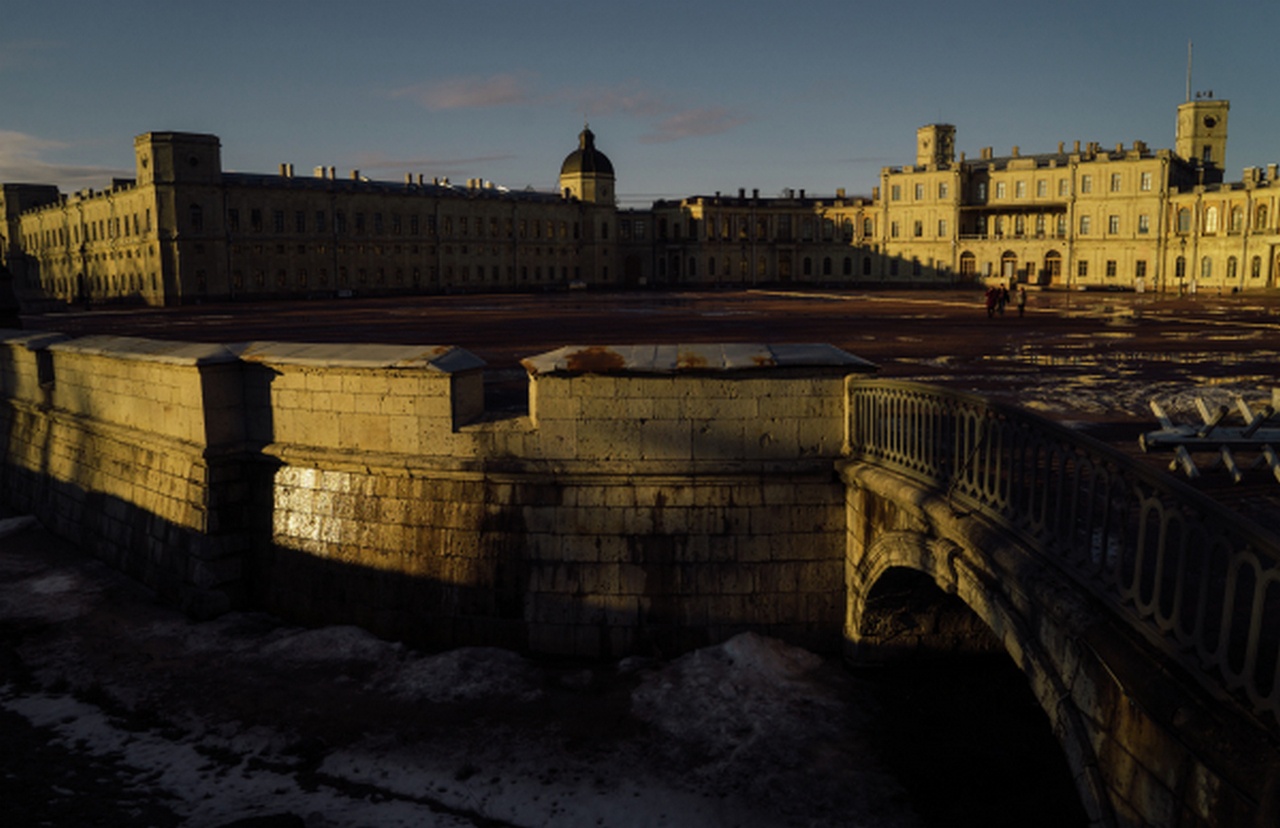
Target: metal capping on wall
{"type": "Point", "coordinates": [1196, 579]}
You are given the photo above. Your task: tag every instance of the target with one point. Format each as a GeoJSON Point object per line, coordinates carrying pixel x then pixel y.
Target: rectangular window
{"type": "Point", "coordinates": [1140, 269]}
{"type": "Point", "coordinates": [1062, 187]}
{"type": "Point", "coordinates": [943, 190]}
{"type": "Point", "coordinates": [277, 220]}
{"type": "Point", "coordinates": [1115, 182]}
{"type": "Point", "coordinates": [320, 221]}
{"type": "Point", "coordinates": [942, 228]}
{"type": "Point", "coordinates": [1086, 183]}
{"type": "Point", "coordinates": [919, 192]}
{"type": "Point", "coordinates": [893, 229]}
{"type": "Point", "coordinates": [1020, 189]}
{"type": "Point", "coordinates": [1144, 183]}
{"type": "Point", "coordinates": [1084, 225]}
{"type": "Point", "coordinates": [233, 219]}
{"type": "Point", "coordinates": [1144, 224]}
{"type": "Point", "coordinates": [1111, 268]}
{"type": "Point", "coordinates": [1000, 189]}
{"type": "Point", "coordinates": [1082, 269]}
{"type": "Point", "coordinates": [917, 229]}
{"type": "Point", "coordinates": [1042, 188]}
{"type": "Point", "coordinates": [895, 193]}
{"type": "Point", "coordinates": [1113, 224]}
{"type": "Point", "coordinates": [300, 222]}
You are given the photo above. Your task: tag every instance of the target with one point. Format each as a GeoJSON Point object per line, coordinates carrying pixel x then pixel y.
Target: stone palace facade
{"type": "Point", "coordinates": [1084, 217]}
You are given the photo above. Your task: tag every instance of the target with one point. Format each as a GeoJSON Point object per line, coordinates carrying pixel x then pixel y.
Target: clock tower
{"type": "Point", "coordinates": [936, 145]}
{"type": "Point", "coordinates": [1202, 131]}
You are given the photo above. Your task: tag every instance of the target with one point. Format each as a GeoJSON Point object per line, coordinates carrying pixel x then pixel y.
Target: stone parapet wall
{"type": "Point", "coordinates": [659, 500]}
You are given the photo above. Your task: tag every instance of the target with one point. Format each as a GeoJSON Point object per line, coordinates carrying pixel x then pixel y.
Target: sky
{"type": "Point", "coordinates": [685, 98]}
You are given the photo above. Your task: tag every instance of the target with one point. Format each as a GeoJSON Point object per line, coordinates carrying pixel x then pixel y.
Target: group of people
{"type": "Point", "coordinates": [998, 297]}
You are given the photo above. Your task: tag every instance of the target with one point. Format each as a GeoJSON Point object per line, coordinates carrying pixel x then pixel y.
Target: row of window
{"type": "Point", "coordinates": [777, 228]}
{"type": "Point", "coordinates": [741, 267]}
{"type": "Point", "coordinates": [1020, 188]}
{"type": "Point", "coordinates": [394, 250]}
{"type": "Point", "coordinates": [1235, 219]}
{"type": "Point", "coordinates": [463, 274]}
{"type": "Point", "coordinates": [394, 224]}
{"type": "Point", "coordinates": [114, 227]}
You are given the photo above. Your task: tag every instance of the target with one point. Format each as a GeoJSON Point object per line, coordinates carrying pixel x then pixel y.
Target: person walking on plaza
{"type": "Point", "coordinates": [1022, 301]}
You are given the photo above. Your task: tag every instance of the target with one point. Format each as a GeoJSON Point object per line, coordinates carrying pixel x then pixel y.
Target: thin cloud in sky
{"type": "Point", "coordinates": [669, 121]}
{"type": "Point", "coordinates": [22, 159]}
{"type": "Point", "coordinates": [470, 92]}
{"type": "Point", "coordinates": [691, 123]}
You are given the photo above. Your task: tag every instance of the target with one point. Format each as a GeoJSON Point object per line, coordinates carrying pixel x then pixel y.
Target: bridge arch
{"type": "Point", "coordinates": [1111, 587]}
{"type": "Point", "coordinates": [974, 615]}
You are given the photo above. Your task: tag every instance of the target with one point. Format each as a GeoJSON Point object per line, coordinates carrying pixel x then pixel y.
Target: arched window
{"type": "Point", "coordinates": [807, 267]}
{"type": "Point", "coordinates": [826, 266]}
{"type": "Point", "coordinates": [1237, 220]}
{"type": "Point", "coordinates": [1261, 216]}
{"type": "Point", "coordinates": [1255, 268]}
{"type": "Point", "coordinates": [1184, 220]}
{"type": "Point", "coordinates": [1180, 268]}
{"type": "Point", "coordinates": [848, 266]}
{"type": "Point", "coordinates": [1206, 268]}
{"type": "Point", "coordinates": [1231, 268]}
{"type": "Point", "coordinates": [1211, 220]}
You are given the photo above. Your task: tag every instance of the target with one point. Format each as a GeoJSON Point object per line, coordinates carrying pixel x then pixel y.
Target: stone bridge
{"type": "Point", "coordinates": [659, 498]}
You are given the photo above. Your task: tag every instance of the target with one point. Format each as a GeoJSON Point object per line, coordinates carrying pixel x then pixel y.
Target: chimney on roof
{"type": "Point", "coordinates": [1076, 147]}
{"type": "Point", "coordinates": [742, 192]}
{"type": "Point", "coordinates": [802, 193]}
{"type": "Point", "coordinates": [318, 172]}
{"type": "Point", "coordinates": [1271, 171]}
{"type": "Point", "coordinates": [1120, 148]}
{"type": "Point", "coordinates": [1061, 145]}
{"type": "Point", "coordinates": [755, 193]}
{"type": "Point", "coordinates": [1014, 152]}
{"type": "Point", "coordinates": [840, 192]}
{"type": "Point", "coordinates": [355, 175]}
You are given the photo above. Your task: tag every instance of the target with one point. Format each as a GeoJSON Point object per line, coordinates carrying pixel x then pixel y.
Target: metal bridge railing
{"type": "Point", "coordinates": [1191, 575]}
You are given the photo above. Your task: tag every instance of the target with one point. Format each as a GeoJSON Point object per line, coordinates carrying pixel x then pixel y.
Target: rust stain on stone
{"type": "Point", "coordinates": [764, 361]}
{"type": "Point", "coordinates": [597, 359]}
{"type": "Point", "coordinates": [691, 359]}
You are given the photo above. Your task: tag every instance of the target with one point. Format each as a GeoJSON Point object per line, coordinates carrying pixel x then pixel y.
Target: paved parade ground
{"type": "Point", "coordinates": [1079, 357]}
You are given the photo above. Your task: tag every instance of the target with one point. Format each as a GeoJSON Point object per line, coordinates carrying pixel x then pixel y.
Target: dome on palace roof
{"type": "Point", "coordinates": [586, 158]}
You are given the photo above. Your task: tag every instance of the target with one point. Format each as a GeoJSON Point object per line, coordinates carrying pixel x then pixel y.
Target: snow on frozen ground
{"type": "Point", "coordinates": [204, 724]}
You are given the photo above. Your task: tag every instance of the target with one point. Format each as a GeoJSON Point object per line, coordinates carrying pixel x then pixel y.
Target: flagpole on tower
{"type": "Point", "coordinates": [1188, 70]}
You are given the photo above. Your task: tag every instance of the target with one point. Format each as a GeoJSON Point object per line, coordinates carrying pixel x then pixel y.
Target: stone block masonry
{"type": "Point", "coordinates": [655, 499]}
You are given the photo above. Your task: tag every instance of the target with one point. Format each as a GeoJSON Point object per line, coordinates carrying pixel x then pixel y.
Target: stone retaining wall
{"type": "Point", "coordinates": [656, 498]}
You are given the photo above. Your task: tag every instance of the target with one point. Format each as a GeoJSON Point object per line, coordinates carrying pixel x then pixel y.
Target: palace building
{"type": "Point", "coordinates": [1084, 217]}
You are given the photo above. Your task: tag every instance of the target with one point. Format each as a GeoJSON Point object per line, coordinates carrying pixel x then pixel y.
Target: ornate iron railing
{"type": "Point", "coordinates": [1193, 577]}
